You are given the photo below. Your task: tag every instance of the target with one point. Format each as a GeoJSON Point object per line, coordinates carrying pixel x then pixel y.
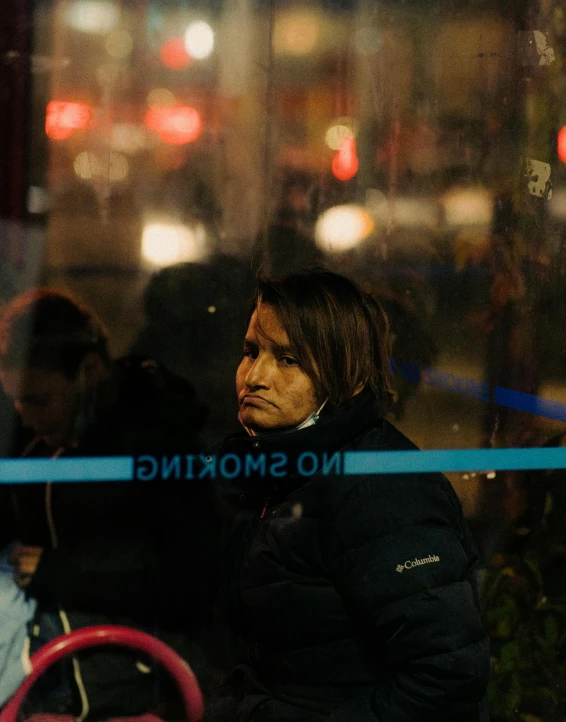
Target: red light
{"type": "Point", "coordinates": [345, 163]}
{"type": "Point", "coordinates": [174, 55]}
{"type": "Point", "coordinates": [63, 118]}
{"type": "Point", "coordinates": [176, 125]}
{"type": "Point", "coordinates": [562, 144]}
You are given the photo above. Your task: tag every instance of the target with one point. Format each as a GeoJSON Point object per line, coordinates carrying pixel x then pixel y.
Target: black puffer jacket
{"type": "Point", "coordinates": [134, 553]}
{"type": "Point", "coordinates": [353, 597]}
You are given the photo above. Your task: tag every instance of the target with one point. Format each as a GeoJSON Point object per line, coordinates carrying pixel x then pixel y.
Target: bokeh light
{"type": "Point", "coordinates": [173, 54]}
{"type": "Point", "coordinates": [165, 242]}
{"type": "Point", "coordinates": [199, 40]}
{"type": "Point", "coordinates": [562, 144]}
{"type": "Point", "coordinates": [296, 32]}
{"type": "Point", "coordinates": [112, 167]}
{"type": "Point", "coordinates": [335, 134]}
{"type": "Point", "coordinates": [92, 16]}
{"type": "Point", "coordinates": [342, 228]}
{"type": "Point", "coordinates": [62, 118]}
{"type": "Point", "coordinates": [345, 163]}
{"type": "Point", "coordinates": [176, 125]}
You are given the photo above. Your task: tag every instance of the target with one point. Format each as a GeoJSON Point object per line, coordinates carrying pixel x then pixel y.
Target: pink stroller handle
{"type": "Point", "coordinates": [99, 636]}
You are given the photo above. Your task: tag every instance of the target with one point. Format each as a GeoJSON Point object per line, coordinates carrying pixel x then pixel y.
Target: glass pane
{"type": "Point", "coordinates": [155, 156]}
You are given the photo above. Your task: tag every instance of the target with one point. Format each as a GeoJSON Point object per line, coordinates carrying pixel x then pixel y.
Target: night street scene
{"type": "Point", "coordinates": [282, 360]}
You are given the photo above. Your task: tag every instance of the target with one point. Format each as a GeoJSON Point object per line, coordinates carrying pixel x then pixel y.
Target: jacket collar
{"type": "Point", "coordinates": [330, 434]}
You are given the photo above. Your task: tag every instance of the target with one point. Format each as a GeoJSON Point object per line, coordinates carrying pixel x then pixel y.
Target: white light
{"type": "Point", "coordinates": [87, 165]}
{"type": "Point", "coordinates": [92, 16]}
{"type": "Point", "coordinates": [468, 207]}
{"type": "Point", "coordinates": [199, 40]}
{"type": "Point", "coordinates": [164, 243]}
{"type": "Point", "coordinates": [335, 134]}
{"type": "Point", "coordinates": [342, 228]}
{"type": "Point", "coordinates": [112, 167]}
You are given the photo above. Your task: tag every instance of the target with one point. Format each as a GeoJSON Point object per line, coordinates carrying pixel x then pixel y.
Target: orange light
{"type": "Point", "coordinates": [562, 144]}
{"type": "Point", "coordinates": [345, 163]}
{"type": "Point", "coordinates": [174, 54]}
{"type": "Point", "coordinates": [175, 125]}
{"type": "Point", "coordinates": [63, 118]}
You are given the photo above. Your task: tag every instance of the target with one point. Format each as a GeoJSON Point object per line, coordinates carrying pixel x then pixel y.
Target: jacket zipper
{"type": "Point", "coordinates": [85, 706]}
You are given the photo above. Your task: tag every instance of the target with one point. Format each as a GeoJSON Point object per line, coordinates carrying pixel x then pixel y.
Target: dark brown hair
{"type": "Point", "coordinates": [48, 329]}
{"type": "Point", "coordinates": [338, 334]}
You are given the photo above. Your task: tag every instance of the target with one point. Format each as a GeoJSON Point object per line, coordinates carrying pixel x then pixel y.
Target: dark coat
{"type": "Point", "coordinates": [135, 553]}
{"type": "Point", "coordinates": [334, 618]}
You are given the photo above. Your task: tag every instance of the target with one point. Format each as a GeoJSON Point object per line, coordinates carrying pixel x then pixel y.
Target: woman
{"type": "Point", "coordinates": [101, 552]}
{"type": "Point", "coordinates": [332, 618]}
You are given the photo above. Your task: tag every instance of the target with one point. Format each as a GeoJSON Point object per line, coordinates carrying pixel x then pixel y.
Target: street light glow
{"type": "Point", "coordinates": [62, 118]}
{"type": "Point", "coordinates": [165, 242]}
{"type": "Point", "coordinates": [92, 16]}
{"type": "Point", "coordinates": [175, 125]}
{"type": "Point", "coordinates": [342, 228]}
{"type": "Point", "coordinates": [199, 40]}
{"type": "Point", "coordinates": [335, 134]}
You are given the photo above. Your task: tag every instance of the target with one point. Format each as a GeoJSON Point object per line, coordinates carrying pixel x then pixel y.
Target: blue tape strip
{"type": "Point", "coordinates": [465, 386]}
{"type": "Point", "coordinates": [29, 471]}
{"type": "Point", "coordinates": [402, 462]}
{"type": "Point", "coordinates": [122, 468]}
{"type": "Point", "coordinates": [530, 404]}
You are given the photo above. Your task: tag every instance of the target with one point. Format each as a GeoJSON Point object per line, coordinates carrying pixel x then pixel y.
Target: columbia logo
{"type": "Point", "coordinates": [410, 563]}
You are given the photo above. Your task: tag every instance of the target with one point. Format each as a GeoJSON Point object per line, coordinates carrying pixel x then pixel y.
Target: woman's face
{"type": "Point", "coordinates": [47, 401]}
{"type": "Point", "coordinates": [274, 392]}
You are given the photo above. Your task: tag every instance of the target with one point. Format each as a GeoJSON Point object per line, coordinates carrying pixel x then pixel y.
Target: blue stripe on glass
{"type": "Point", "coordinates": [29, 471]}
{"type": "Point", "coordinates": [530, 404]}
{"type": "Point", "coordinates": [121, 468]}
{"type": "Point", "coordinates": [402, 462]}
